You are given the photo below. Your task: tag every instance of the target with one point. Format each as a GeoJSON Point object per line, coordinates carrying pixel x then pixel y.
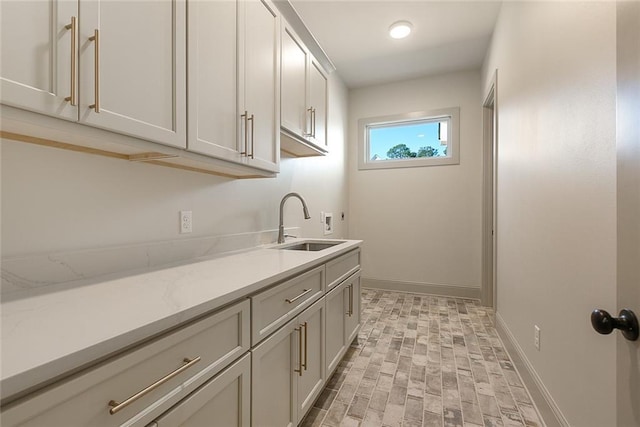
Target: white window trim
{"type": "Point", "coordinates": [453, 140]}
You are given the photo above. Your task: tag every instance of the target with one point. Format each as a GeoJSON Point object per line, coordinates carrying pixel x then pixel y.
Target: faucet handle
{"type": "Point", "coordinates": [290, 235]}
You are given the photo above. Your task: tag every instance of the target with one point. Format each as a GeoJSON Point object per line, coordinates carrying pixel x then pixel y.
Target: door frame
{"type": "Point", "coordinates": [627, 206]}
{"type": "Point", "coordinates": [489, 294]}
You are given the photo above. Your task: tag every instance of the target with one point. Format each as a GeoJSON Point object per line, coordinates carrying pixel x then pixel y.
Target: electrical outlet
{"type": "Point", "coordinates": [536, 337]}
{"type": "Point", "coordinates": [186, 222]}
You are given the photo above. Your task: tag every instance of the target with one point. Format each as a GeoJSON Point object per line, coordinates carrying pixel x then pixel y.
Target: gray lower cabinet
{"type": "Point", "coordinates": [352, 309]}
{"type": "Point", "coordinates": [288, 370]}
{"type": "Point", "coordinates": [137, 386]}
{"type": "Point", "coordinates": [224, 401]}
{"type": "Point", "coordinates": [343, 319]}
{"type": "Point", "coordinates": [207, 373]}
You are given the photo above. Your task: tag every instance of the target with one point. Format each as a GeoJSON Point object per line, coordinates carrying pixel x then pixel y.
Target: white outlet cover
{"type": "Point", "coordinates": [186, 222]}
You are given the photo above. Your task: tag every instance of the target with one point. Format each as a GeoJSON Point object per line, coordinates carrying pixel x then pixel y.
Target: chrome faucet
{"type": "Point", "coordinates": [281, 225]}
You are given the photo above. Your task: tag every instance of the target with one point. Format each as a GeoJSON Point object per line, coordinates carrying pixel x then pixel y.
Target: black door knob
{"type": "Point", "coordinates": [626, 321]}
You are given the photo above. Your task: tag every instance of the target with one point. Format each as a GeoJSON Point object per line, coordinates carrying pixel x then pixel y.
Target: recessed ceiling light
{"type": "Point", "coordinates": [400, 29]}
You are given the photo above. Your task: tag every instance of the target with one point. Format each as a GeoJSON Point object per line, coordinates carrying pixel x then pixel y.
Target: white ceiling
{"type": "Point", "coordinates": [447, 36]}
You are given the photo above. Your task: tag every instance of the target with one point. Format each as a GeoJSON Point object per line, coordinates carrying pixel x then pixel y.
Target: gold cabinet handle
{"type": "Point", "coordinates": [306, 347]}
{"type": "Point", "coordinates": [117, 407]}
{"type": "Point", "coordinates": [351, 306]}
{"type": "Point", "coordinates": [252, 144]}
{"type": "Point", "coordinates": [313, 122]}
{"type": "Point", "coordinates": [294, 299]}
{"type": "Point", "coordinates": [246, 135]}
{"type": "Point", "coordinates": [96, 39]}
{"type": "Point", "coordinates": [350, 309]}
{"type": "Point", "coordinates": [310, 133]}
{"type": "Point", "coordinates": [74, 29]}
{"type": "Point", "coordinates": [299, 370]}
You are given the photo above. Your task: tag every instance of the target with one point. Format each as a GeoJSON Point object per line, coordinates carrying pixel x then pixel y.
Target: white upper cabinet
{"type": "Point", "coordinates": [295, 59]}
{"type": "Point", "coordinates": [318, 103]}
{"type": "Point", "coordinates": [214, 122]}
{"type": "Point", "coordinates": [119, 66]}
{"type": "Point", "coordinates": [39, 56]}
{"type": "Point", "coordinates": [303, 98]}
{"type": "Point", "coordinates": [133, 68]}
{"type": "Point", "coordinates": [234, 81]}
{"type": "Point", "coordinates": [259, 93]}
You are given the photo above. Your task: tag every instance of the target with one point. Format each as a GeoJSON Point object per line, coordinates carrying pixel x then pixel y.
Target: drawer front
{"type": "Point", "coordinates": [276, 306]}
{"type": "Point", "coordinates": [223, 401]}
{"type": "Point", "coordinates": [84, 399]}
{"type": "Point", "coordinates": [342, 267]}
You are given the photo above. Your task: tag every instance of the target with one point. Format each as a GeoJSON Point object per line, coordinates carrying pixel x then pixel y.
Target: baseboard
{"type": "Point", "coordinates": [422, 288]}
{"type": "Point", "coordinates": [547, 407]}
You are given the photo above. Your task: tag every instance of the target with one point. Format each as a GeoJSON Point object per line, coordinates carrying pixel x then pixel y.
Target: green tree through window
{"type": "Point", "coordinates": [401, 151]}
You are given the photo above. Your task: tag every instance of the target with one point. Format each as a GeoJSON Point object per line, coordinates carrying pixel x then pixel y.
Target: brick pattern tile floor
{"type": "Point", "coordinates": [424, 361]}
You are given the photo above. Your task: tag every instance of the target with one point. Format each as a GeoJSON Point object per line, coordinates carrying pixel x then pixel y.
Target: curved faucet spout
{"type": "Point", "coordinates": [281, 224]}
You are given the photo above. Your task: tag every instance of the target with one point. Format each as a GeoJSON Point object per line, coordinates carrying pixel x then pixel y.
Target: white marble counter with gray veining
{"type": "Point", "coordinates": [48, 331]}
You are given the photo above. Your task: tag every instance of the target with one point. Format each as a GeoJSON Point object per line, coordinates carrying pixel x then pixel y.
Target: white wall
{"type": "Point", "coordinates": [420, 225]}
{"type": "Point", "coordinates": [556, 232]}
{"type": "Point", "coordinates": [55, 200]}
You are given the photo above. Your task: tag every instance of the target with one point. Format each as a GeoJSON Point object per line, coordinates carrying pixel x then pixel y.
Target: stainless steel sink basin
{"type": "Point", "coordinates": [309, 246]}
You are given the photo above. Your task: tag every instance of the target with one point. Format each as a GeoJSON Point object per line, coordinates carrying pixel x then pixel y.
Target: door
{"type": "Point", "coordinates": [335, 338]}
{"type": "Point", "coordinates": [273, 390]}
{"type": "Point", "coordinates": [293, 84]}
{"type": "Point", "coordinates": [318, 103]}
{"type": "Point", "coordinates": [38, 63]}
{"type": "Point", "coordinates": [312, 375]}
{"type": "Point", "coordinates": [133, 68]}
{"type": "Point", "coordinates": [222, 402]}
{"type": "Point", "coordinates": [628, 205]}
{"type": "Point", "coordinates": [260, 87]}
{"type": "Point", "coordinates": [213, 79]}
{"type": "Point", "coordinates": [352, 309]}
{"type": "Point", "coordinates": [489, 177]}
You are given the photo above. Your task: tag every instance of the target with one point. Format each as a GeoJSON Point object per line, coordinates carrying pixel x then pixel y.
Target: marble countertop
{"type": "Point", "coordinates": [52, 331]}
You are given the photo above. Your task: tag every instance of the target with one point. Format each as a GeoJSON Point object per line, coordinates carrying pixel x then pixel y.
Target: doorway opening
{"type": "Point", "coordinates": [489, 197]}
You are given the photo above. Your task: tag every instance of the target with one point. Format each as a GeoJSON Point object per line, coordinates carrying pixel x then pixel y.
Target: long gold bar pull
{"type": "Point", "coordinates": [252, 142]}
{"type": "Point", "coordinates": [310, 133]}
{"type": "Point", "coordinates": [299, 370]}
{"type": "Point", "coordinates": [96, 38]}
{"type": "Point", "coordinates": [294, 299]}
{"type": "Point", "coordinates": [351, 300]}
{"type": "Point", "coordinates": [73, 100]}
{"type": "Point", "coordinates": [246, 135]}
{"type": "Point", "coordinates": [313, 120]}
{"type": "Point", "coordinates": [350, 308]}
{"type": "Point", "coordinates": [306, 347]}
{"type": "Point", "coordinates": [117, 407]}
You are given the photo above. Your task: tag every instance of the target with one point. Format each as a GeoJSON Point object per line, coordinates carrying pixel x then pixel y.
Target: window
{"type": "Point", "coordinates": [426, 138]}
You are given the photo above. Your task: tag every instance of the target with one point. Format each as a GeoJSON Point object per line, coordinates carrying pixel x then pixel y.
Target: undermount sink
{"type": "Point", "coordinates": [309, 246]}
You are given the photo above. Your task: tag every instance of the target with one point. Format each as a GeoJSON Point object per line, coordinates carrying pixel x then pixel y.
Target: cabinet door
{"type": "Point", "coordinates": [312, 375]}
{"type": "Point", "coordinates": [318, 102]}
{"type": "Point", "coordinates": [337, 301]}
{"type": "Point", "coordinates": [213, 77]}
{"type": "Point", "coordinates": [352, 308]}
{"type": "Point", "coordinates": [36, 47]}
{"type": "Point", "coordinates": [273, 386]}
{"type": "Point", "coordinates": [134, 72]}
{"type": "Point", "coordinates": [224, 401]}
{"type": "Point", "coordinates": [260, 41]}
{"type": "Point", "coordinates": [293, 84]}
